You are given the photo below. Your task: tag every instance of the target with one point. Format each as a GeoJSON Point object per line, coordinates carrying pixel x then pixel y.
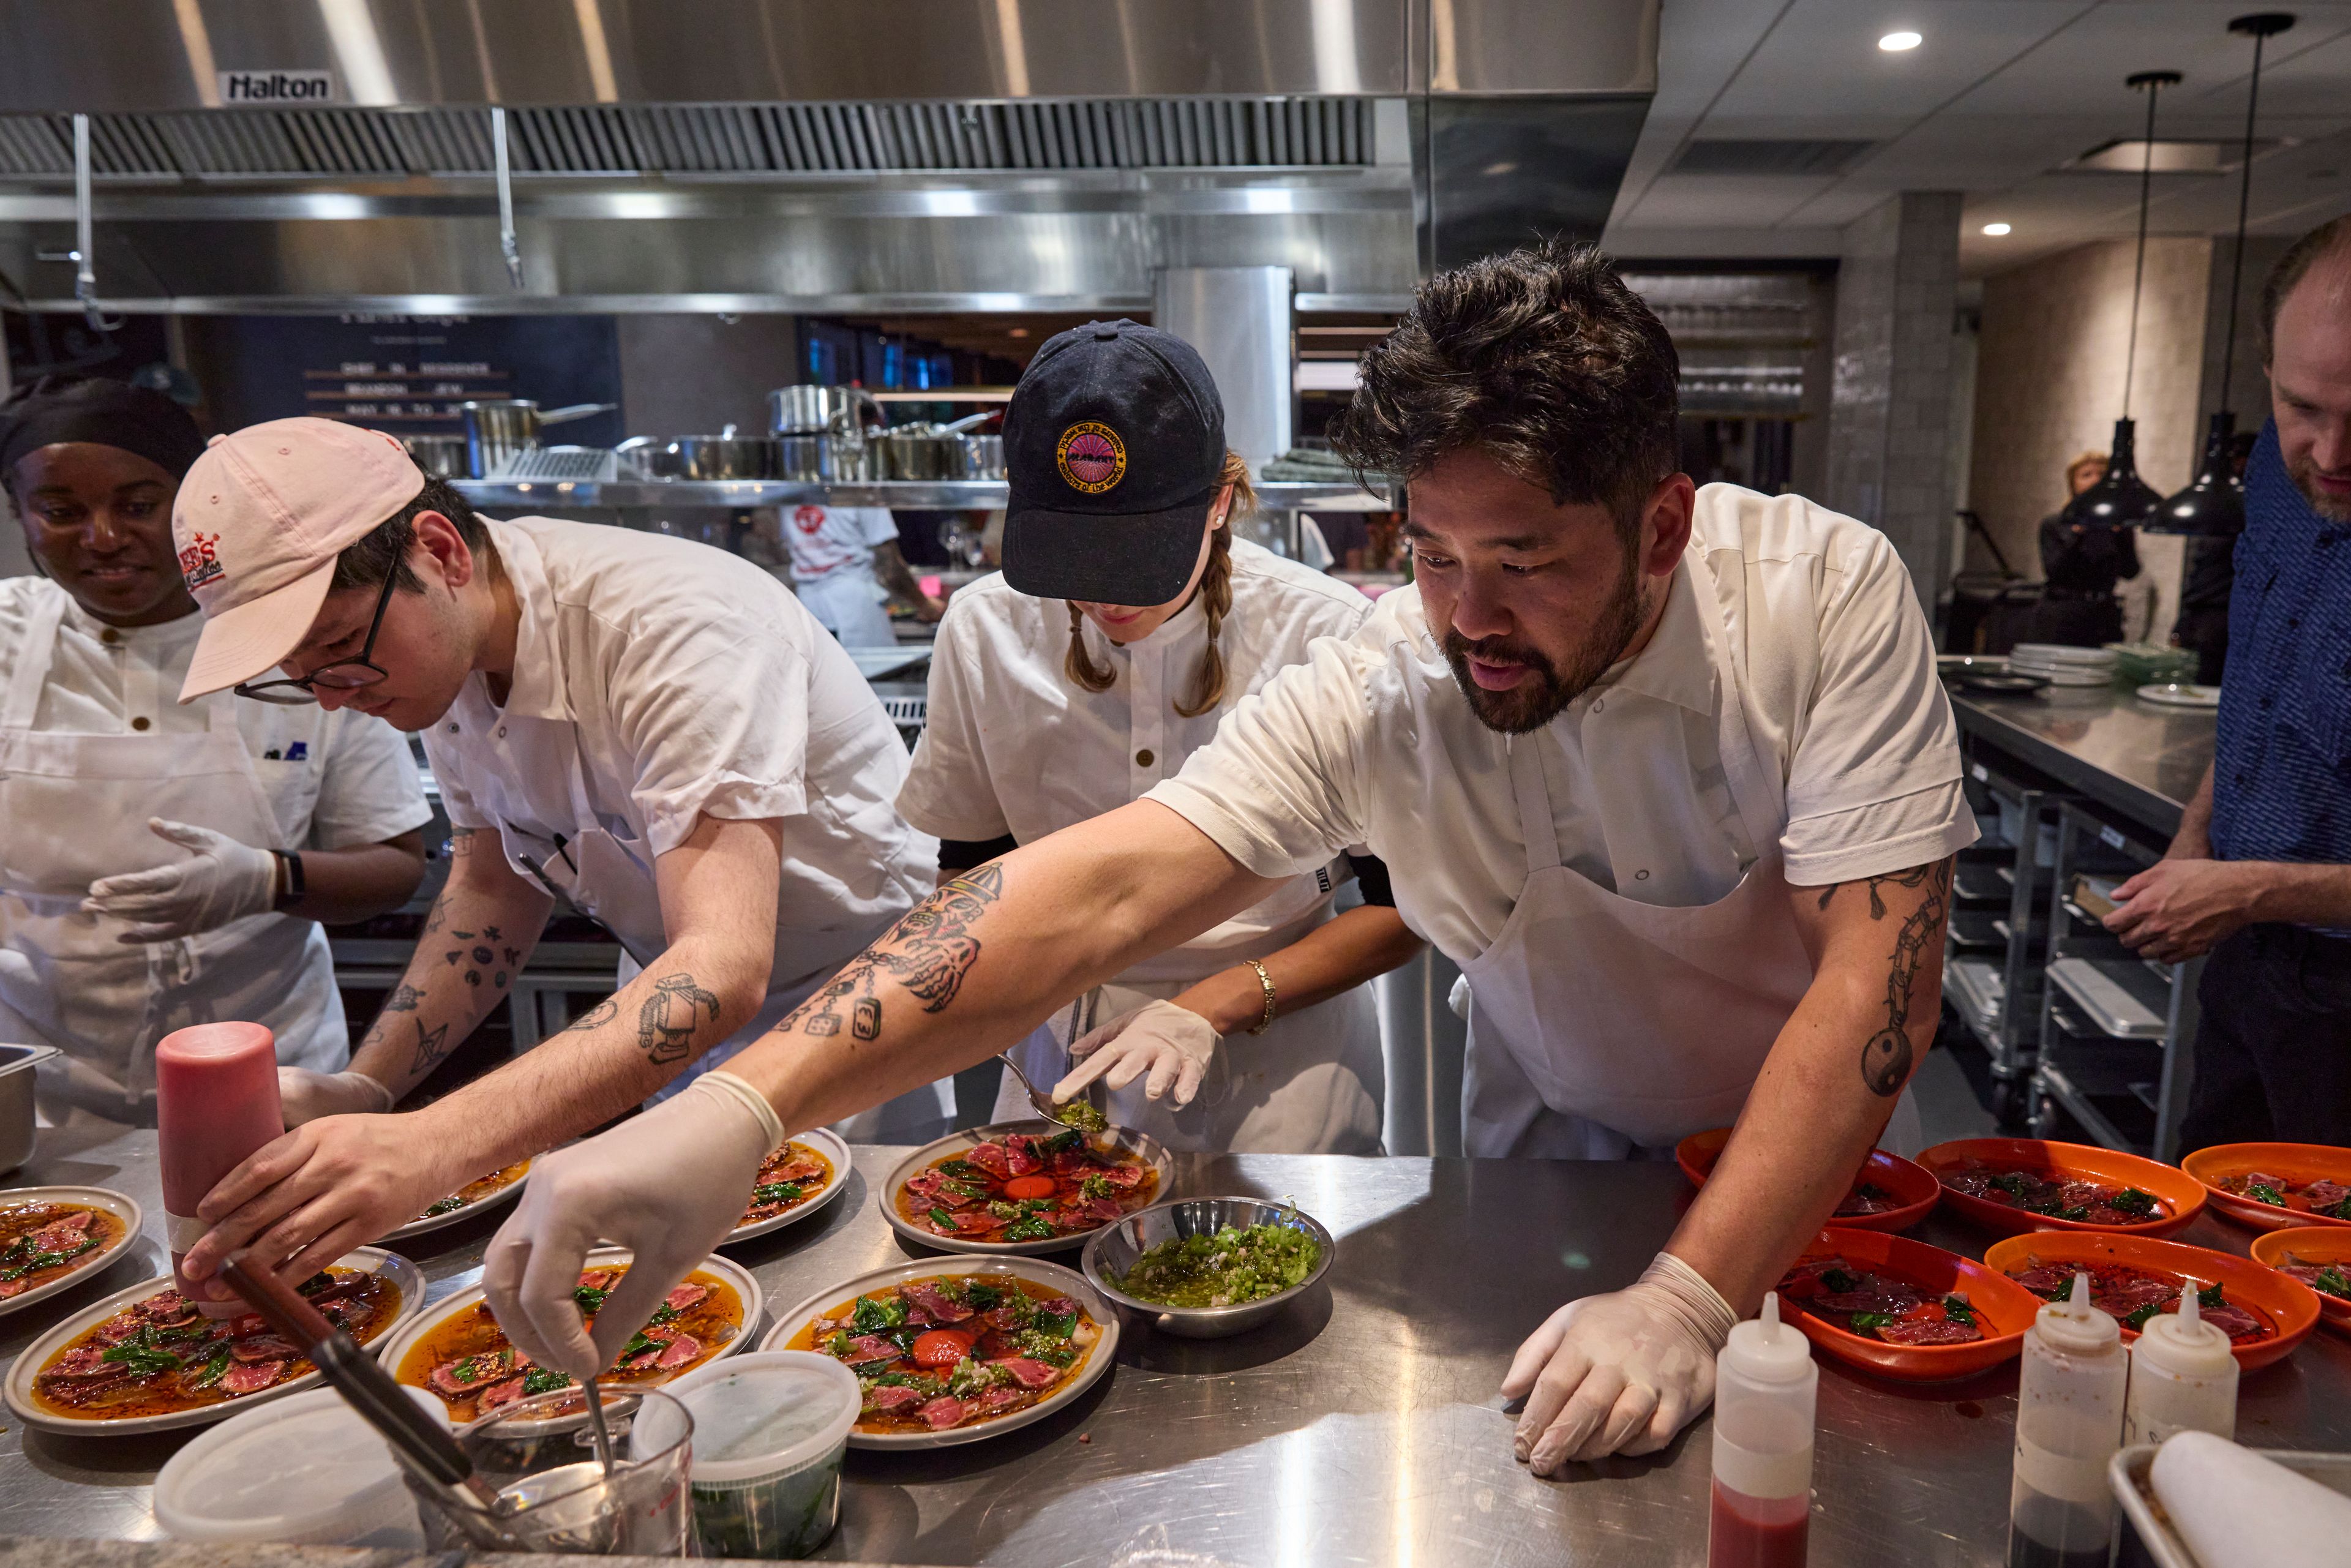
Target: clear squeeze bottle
{"type": "Point", "coordinates": [2069, 1422]}
{"type": "Point", "coordinates": [2183, 1378]}
{"type": "Point", "coordinates": [1764, 1387]}
{"type": "Point", "coordinates": [216, 1103]}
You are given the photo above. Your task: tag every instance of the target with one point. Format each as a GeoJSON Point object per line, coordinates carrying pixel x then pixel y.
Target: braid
{"type": "Point", "coordinates": [1216, 590]}
{"type": "Point", "coordinates": [1079, 665]}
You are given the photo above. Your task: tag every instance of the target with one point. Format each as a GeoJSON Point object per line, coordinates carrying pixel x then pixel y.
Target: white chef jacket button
{"type": "Point", "coordinates": [452, 729]}
{"type": "Point", "coordinates": [1143, 757]}
{"type": "Point", "coordinates": [141, 722]}
{"type": "Point", "coordinates": [1640, 876]}
{"type": "Point", "coordinates": [502, 732]}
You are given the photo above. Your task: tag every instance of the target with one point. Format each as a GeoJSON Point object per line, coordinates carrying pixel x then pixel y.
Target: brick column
{"type": "Point", "coordinates": [1890, 400]}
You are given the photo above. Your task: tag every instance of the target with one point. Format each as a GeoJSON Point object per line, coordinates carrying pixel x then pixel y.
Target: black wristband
{"type": "Point", "coordinates": [290, 888]}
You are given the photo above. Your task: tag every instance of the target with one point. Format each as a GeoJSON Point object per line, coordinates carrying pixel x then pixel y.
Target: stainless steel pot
{"type": "Point", "coordinates": [825, 460]}
{"type": "Point", "coordinates": [937, 452]}
{"type": "Point", "coordinates": [439, 455]}
{"type": "Point", "coordinates": [725, 455]}
{"type": "Point", "coordinates": [497, 428]}
{"type": "Point", "coordinates": [16, 1064]}
{"type": "Point", "coordinates": [819, 411]}
{"type": "Point", "coordinates": [977, 457]}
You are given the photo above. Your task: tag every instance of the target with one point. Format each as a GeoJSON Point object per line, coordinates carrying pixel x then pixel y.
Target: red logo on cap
{"type": "Point", "coordinates": [1091, 456]}
{"type": "Point", "coordinates": [200, 562]}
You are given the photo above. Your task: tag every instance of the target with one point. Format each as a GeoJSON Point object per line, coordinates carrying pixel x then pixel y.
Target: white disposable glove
{"type": "Point", "coordinates": [1173, 1044]}
{"type": "Point", "coordinates": [305, 1095]}
{"type": "Point", "coordinates": [1621, 1373]}
{"type": "Point", "coordinates": [668, 1185]}
{"type": "Point", "coordinates": [225, 881]}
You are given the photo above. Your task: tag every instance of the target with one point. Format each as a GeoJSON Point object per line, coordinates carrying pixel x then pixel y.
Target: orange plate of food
{"type": "Point", "coordinates": [2311, 1182]}
{"type": "Point", "coordinates": [2319, 1256]}
{"type": "Point", "coordinates": [1951, 1318]}
{"type": "Point", "coordinates": [2264, 1313]}
{"type": "Point", "coordinates": [2015, 1185]}
{"type": "Point", "coordinates": [1888, 1193]}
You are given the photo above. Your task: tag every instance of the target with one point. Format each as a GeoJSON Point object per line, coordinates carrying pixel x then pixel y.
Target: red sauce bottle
{"type": "Point", "coordinates": [1765, 1387]}
{"type": "Point", "coordinates": [216, 1103]}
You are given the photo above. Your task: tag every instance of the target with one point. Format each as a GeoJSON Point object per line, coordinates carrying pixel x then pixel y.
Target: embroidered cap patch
{"type": "Point", "coordinates": [1091, 456]}
{"type": "Point", "coordinates": [200, 562]}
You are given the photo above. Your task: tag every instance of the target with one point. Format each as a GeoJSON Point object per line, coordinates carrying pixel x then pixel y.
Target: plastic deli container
{"type": "Point", "coordinates": [769, 1429]}
{"type": "Point", "coordinates": [303, 1470]}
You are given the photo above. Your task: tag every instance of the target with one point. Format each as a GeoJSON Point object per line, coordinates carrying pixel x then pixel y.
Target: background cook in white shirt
{"type": "Point", "coordinates": [653, 727]}
{"type": "Point", "coordinates": [1046, 711]}
{"type": "Point", "coordinates": [845, 565]}
{"type": "Point", "coordinates": [1532, 400]}
{"type": "Point", "coordinates": [145, 882]}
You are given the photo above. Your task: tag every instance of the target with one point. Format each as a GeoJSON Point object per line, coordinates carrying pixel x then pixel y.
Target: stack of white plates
{"type": "Point", "coordinates": [2062, 665]}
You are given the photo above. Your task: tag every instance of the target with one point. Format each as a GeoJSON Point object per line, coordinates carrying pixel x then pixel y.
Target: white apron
{"type": "Point", "coordinates": [606, 873]}
{"type": "Point", "coordinates": [850, 603]}
{"type": "Point", "coordinates": [1602, 1027]}
{"type": "Point", "coordinates": [74, 809]}
{"type": "Point", "coordinates": [1313, 1083]}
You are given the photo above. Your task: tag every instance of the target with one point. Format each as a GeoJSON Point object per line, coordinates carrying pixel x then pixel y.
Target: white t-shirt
{"type": "Point", "coordinates": [333, 779]}
{"type": "Point", "coordinates": [1369, 741]}
{"type": "Point", "coordinates": [698, 686]}
{"type": "Point", "coordinates": [828, 541]}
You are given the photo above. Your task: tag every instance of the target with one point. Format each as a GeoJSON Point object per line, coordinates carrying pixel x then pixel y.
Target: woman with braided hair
{"type": "Point", "coordinates": [1127, 623]}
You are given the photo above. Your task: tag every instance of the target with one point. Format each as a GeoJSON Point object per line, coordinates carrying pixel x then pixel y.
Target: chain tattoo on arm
{"type": "Point", "coordinates": [928, 952]}
{"type": "Point", "coordinates": [1889, 1056]}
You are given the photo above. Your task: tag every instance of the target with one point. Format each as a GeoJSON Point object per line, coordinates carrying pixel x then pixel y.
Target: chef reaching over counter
{"type": "Point", "coordinates": [1666, 769]}
{"type": "Point", "coordinates": [1127, 623]}
{"type": "Point", "coordinates": [651, 729]}
{"type": "Point", "coordinates": [162, 866]}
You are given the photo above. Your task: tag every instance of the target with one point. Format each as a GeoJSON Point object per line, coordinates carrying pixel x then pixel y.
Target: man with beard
{"type": "Point", "coordinates": [1666, 769]}
{"type": "Point", "coordinates": [2259, 872]}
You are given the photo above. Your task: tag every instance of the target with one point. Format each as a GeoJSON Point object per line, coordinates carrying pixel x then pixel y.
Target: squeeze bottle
{"type": "Point", "coordinates": [216, 1103]}
{"type": "Point", "coordinates": [1764, 1387]}
{"type": "Point", "coordinates": [2069, 1422]}
{"type": "Point", "coordinates": [2183, 1378]}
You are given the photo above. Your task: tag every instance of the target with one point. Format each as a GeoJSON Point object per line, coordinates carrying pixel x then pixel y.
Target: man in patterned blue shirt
{"type": "Point", "coordinates": [2260, 874]}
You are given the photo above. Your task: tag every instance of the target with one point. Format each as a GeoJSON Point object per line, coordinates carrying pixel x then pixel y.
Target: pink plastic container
{"type": "Point", "coordinates": [216, 1103]}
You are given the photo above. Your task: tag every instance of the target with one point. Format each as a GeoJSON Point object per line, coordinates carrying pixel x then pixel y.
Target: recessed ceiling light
{"type": "Point", "coordinates": [1995, 230]}
{"type": "Point", "coordinates": [1894, 42]}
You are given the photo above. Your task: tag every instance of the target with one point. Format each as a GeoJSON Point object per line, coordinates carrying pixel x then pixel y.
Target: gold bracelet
{"type": "Point", "coordinates": [1266, 980]}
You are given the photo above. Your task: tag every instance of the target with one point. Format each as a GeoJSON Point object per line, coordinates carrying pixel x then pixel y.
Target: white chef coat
{"type": "Point", "coordinates": [1012, 745]}
{"type": "Point", "coordinates": [332, 781]}
{"type": "Point", "coordinates": [832, 567]}
{"type": "Point", "coordinates": [1371, 741]}
{"type": "Point", "coordinates": [657, 681]}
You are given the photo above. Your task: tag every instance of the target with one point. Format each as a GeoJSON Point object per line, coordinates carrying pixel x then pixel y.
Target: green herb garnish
{"type": "Point", "coordinates": [1227, 1269]}
{"type": "Point", "coordinates": [2334, 1282]}
{"type": "Point", "coordinates": [590, 1298]}
{"type": "Point", "coordinates": [1836, 1281]}
{"type": "Point", "coordinates": [41, 1260]}
{"type": "Point", "coordinates": [1960, 1310]}
{"type": "Point", "coordinates": [2261, 1192]}
{"type": "Point", "coordinates": [874, 1316]}
{"type": "Point", "coordinates": [449, 1204]}
{"type": "Point", "coordinates": [1029, 1229]}
{"type": "Point", "coordinates": [2131, 1200]}
{"type": "Point", "coordinates": [212, 1371]}
{"type": "Point", "coordinates": [140, 1357]}
{"type": "Point", "coordinates": [778, 1192]}
{"type": "Point", "coordinates": [943, 1220]}
{"type": "Point", "coordinates": [542, 1380]}
{"type": "Point", "coordinates": [1080, 1114]}
{"type": "Point", "coordinates": [1862, 1322]}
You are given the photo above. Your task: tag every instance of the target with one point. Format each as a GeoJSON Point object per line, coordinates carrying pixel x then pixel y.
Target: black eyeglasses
{"type": "Point", "coordinates": [342, 675]}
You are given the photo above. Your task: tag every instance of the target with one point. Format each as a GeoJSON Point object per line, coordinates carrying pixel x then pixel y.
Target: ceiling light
{"type": "Point", "coordinates": [1894, 42]}
{"type": "Point", "coordinates": [1995, 230]}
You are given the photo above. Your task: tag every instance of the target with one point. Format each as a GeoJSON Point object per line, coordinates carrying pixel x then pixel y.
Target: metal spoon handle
{"type": "Point", "coordinates": [596, 1424]}
{"type": "Point", "coordinates": [1043, 1102]}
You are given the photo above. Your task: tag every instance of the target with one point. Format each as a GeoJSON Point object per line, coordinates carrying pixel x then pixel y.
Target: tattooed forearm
{"type": "Point", "coordinates": [928, 952]}
{"type": "Point", "coordinates": [1916, 877]}
{"type": "Point", "coordinates": [597, 1017]}
{"type": "Point", "coordinates": [432, 1045]}
{"type": "Point", "coordinates": [667, 1019]}
{"type": "Point", "coordinates": [484, 955]}
{"type": "Point", "coordinates": [1887, 1058]}
{"type": "Point", "coordinates": [404, 998]}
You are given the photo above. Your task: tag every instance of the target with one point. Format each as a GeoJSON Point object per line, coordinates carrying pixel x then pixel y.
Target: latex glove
{"type": "Point", "coordinates": [1621, 1373]}
{"type": "Point", "coordinates": [305, 1095]}
{"type": "Point", "coordinates": [225, 881]}
{"type": "Point", "coordinates": [667, 1185]}
{"type": "Point", "coordinates": [1173, 1044]}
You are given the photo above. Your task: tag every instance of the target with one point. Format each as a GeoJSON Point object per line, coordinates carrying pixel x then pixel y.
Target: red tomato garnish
{"type": "Point", "coordinates": [1029, 1187]}
{"type": "Point", "coordinates": [942, 1347]}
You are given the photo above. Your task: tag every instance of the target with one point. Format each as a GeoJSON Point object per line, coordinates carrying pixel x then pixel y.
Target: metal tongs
{"type": "Point", "coordinates": [417, 1441]}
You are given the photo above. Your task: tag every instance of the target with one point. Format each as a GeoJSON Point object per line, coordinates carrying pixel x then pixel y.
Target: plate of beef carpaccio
{"type": "Point", "coordinates": [52, 1237]}
{"type": "Point", "coordinates": [2015, 1185]}
{"type": "Point", "coordinates": [806, 1172]}
{"type": "Point", "coordinates": [1902, 1309]}
{"type": "Point", "coordinates": [482, 1193]}
{"type": "Point", "coordinates": [2277, 1186]}
{"type": "Point", "coordinates": [1023, 1187]}
{"type": "Point", "coordinates": [145, 1360]}
{"type": "Point", "coordinates": [954, 1350]}
{"type": "Point", "coordinates": [2319, 1256]}
{"type": "Point", "coordinates": [1888, 1193]}
{"type": "Point", "coordinates": [2134, 1278]}
{"type": "Point", "coordinates": [457, 1352]}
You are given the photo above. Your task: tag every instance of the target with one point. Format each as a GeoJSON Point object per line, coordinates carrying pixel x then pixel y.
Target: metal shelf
{"type": "Point", "coordinates": [2119, 997]}
{"type": "Point", "coordinates": [2093, 1117]}
{"type": "Point", "coordinates": [1976, 991]}
{"type": "Point", "coordinates": [905, 495]}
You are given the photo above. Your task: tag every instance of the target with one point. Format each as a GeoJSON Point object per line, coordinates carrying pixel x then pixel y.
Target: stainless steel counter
{"type": "Point", "coordinates": [2139, 759]}
{"type": "Point", "coordinates": [1362, 1427]}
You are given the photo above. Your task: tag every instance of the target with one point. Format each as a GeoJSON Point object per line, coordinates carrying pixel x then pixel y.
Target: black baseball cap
{"type": "Point", "coordinates": [1113, 446]}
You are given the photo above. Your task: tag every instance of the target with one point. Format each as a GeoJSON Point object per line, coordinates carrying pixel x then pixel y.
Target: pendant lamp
{"type": "Point", "coordinates": [2213, 504]}
{"type": "Point", "coordinates": [2122, 499]}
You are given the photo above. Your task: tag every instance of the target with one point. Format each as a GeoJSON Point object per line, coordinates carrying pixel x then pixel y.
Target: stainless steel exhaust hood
{"type": "Point", "coordinates": [836, 155]}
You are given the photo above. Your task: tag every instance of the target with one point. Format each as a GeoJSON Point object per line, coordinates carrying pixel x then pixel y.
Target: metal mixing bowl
{"type": "Point", "coordinates": [1114, 1249]}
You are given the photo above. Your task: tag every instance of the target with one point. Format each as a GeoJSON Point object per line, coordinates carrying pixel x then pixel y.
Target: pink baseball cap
{"type": "Point", "coordinates": [261, 517]}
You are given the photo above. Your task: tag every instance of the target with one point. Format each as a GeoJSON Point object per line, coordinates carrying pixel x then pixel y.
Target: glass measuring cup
{"type": "Point", "coordinates": [539, 1453]}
